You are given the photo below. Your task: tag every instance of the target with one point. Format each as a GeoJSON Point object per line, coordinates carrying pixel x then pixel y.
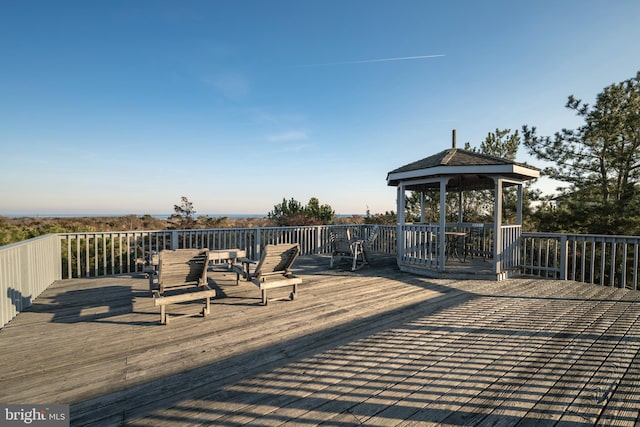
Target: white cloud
{"type": "Point", "coordinates": [233, 86]}
{"type": "Point", "coordinates": [294, 135]}
{"type": "Point", "coordinates": [295, 148]}
{"type": "Point", "coordinates": [369, 61]}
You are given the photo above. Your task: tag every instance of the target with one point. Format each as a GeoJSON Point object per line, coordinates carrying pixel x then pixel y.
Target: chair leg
{"type": "Point", "coordinates": [152, 276]}
{"type": "Point", "coordinates": [358, 255]}
{"type": "Point", "coordinates": [365, 255]}
{"type": "Point", "coordinates": [264, 297]}
{"type": "Point", "coordinates": [355, 260]}
{"type": "Point", "coordinates": [207, 307]}
{"type": "Point", "coordinates": [164, 319]}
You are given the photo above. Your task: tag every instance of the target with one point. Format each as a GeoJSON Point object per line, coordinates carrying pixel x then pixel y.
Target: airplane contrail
{"type": "Point", "coordinates": [368, 61]}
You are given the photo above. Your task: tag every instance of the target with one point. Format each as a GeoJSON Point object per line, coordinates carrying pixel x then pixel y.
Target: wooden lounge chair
{"type": "Point", "coordinates": [343, 247]}
{"type": "Point", "coordinates": [184, 271]}
{"type": "Point", "coordinates": [273, 270]}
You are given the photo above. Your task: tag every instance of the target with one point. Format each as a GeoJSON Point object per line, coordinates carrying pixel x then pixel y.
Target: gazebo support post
{"type": "Point", "coordinates": [460, 215]}
{"type": "Point", "coordinates": [443, 222]}
{"type": "Point", "coordinates": [519, 205]}
{"type": "Point", "coordinates": [400, 220]}
{"type": "Point", "coordinates": [497, 227]}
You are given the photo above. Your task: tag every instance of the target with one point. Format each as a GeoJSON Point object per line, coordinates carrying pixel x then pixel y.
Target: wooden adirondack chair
{"type": "Point", "coordinates": [364, 245]}
{"type": "Point", "coordinates": [182, 270]}
{"type": "Point", "coordinates": [344, 247]}
{"type": "Point", "coordinates": [273, 270]}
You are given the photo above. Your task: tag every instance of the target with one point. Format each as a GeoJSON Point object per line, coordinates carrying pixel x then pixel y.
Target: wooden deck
{"type": "Point", "coordinates": [374, 347]}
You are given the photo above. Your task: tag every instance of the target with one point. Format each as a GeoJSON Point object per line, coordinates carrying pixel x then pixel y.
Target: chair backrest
{"type": "Point", "coordinates": [182, 267]}
{"type": "Point", "coordinates": [340, 239]}
{"type": "Point", "coordinates": [476, 231]}
{"type": "Point", "coordinates": [373, 234]}
{"type": "Point", "coordinates": [276, 260]}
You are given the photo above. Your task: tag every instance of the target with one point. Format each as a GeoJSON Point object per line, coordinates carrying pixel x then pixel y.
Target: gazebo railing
{"type": "Point", "coordinates": [420, 245]}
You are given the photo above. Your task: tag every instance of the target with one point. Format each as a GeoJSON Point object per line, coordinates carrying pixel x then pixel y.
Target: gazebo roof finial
{"type": "Point", "coordinates": [453, 139]}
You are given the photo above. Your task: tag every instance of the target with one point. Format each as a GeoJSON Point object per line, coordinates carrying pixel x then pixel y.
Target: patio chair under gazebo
{"type": "Point", "coordinates": [431, 249]}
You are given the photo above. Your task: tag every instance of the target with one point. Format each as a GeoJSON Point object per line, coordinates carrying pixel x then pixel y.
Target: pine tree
{"type": "Point", "coordinates": [600, 160]}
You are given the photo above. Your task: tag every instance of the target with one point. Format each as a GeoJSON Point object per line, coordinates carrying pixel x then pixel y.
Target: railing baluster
{"type": "Point", "coordinates": [69, 259]}
{"type": "Point", "coordinates": [563, 254]}
{"type": "Point", "coordinates": [612, 274]}
{"type": "Point", "coordinates": [594, 251]}
{"type": "Point", "coordinates": [623, 283]}
{"type": "Point", "coordinates": [78, 257]}
{"type": "Point", "coordinates": [104, 255]}
{"type": "Point", "coordinates": [583, 259]}
{"type": "Point", "coordinates": [574, 248]}
{"type": "Point", "coordinates": [603, 261]}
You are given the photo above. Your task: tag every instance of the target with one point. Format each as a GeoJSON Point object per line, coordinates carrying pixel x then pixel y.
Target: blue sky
{"type": "Point", "coordinates": [122, 107]}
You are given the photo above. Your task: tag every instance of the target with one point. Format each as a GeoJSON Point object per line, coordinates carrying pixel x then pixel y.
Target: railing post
{"type": "Point", "coordinates": [318, 233]}
{"type": "Point", "coordinates": [257, 243]}
{"type": "Point", "coordinates": [174, 239]}
{"type": "Point", "coordinates": [564, 253]}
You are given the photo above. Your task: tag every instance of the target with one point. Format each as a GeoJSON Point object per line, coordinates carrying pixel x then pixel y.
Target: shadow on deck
{"type": "Point", "coordinates": [377, 347]}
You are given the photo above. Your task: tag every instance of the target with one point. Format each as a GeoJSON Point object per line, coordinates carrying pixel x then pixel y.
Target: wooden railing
{"type": "Point", "coordinates": [28, 268]}
{"type": "Point", "coordinates": [510, 250]}
{"type": "Point", "coordinates": [599, 259]}
{"type": "Point", "coordinates": [421, 245]}
{"type": "Point", "coordinates": [101, 254]}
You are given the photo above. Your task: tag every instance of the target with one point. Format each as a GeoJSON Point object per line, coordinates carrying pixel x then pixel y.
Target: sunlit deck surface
{"type": "Point", "coordinates": [373, 347]}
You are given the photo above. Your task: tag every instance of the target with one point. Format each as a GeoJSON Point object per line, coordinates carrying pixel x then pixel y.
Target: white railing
{"type": "Point", "coordinates": [101, 254]}
{"type": "Point", "coordinates": [420, 245]}
{"type": "Point", "coordinates": [589, 258]}
{"type": "Point", "coordinates": [26, 270]}
{"type": "Point", "coordinates": [510, 250]}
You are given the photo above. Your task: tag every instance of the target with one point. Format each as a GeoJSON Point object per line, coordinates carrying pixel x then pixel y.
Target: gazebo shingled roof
{"type": "Point", "coordinates": [470, 169]}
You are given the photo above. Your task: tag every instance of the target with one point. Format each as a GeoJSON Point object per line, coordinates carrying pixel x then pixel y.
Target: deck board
{"type": "Point", "coordinates": [377, 346]}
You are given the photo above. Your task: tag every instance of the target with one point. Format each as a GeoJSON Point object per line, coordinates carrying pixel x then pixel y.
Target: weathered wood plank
{"type": "Point", "coordinates": [503, 362]}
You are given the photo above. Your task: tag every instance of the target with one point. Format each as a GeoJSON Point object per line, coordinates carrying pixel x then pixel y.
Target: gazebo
{"type": "Point", "coordinates": [460, 249]}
